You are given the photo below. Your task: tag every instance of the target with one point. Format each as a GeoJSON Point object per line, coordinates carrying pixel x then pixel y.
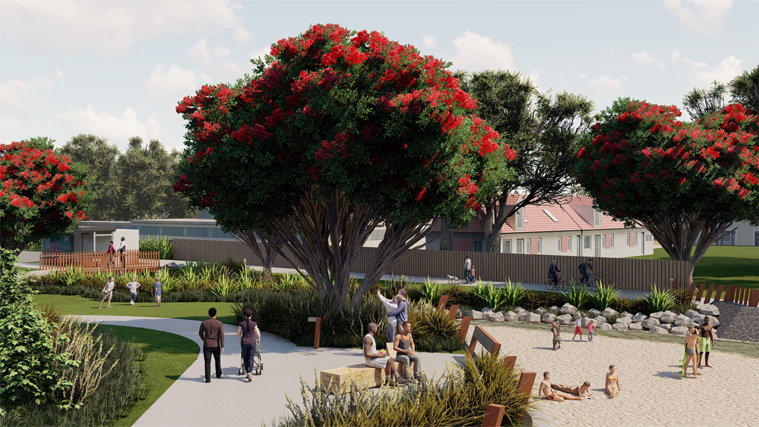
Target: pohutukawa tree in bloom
{"type": "Point", "coordinates": [341, 132]}
{"type": "Point", "coordinates": [41, 194]}
{"type": "Point", "coordinates": [685, 182]}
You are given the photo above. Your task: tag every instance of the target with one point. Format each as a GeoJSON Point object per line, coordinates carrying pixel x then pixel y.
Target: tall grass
{"type": "Point", "coordinates": [514, 293]}
{"type": "Point", "coordinates": [660, 300]}
{"type": "Point", "coordinates": [431, 291]}
{"type": "Point", "coordinates": [163, 245]}
{"type": "Point", "coordinates": [578, 296]}
{"type": "Point", "coordinates": [459, 398]}
{"type": "Point", "coordinates": [605, 296]}
{"type": "Point", "coordinates": [488, 295]}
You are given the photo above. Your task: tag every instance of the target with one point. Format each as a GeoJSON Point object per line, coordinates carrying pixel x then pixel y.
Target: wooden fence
{"type": "Point", "coordinates": [628, 274]}
{"type": "Point", "coordinates": [736, 294]}
{"type": "Point", "coordinates": [97, 262]}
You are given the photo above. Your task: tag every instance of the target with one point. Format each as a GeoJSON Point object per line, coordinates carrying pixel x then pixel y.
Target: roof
{"type": "Point", "coordinates": [549, 217]}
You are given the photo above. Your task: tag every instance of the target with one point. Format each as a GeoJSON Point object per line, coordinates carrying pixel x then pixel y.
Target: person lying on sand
{"type": "Point", "coordinates": [612, 382]}
{"type": "Point", "coordinates": [551, 394]}
{"type": "Point", "coordinates": [581, 390]}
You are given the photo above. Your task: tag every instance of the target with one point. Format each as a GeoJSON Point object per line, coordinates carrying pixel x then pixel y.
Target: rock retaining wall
{"type": "Point", "coordinates": [738, 322]}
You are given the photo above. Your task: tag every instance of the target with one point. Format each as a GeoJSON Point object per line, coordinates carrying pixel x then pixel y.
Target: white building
{"type": "Point", "coordinates": [740, 234]}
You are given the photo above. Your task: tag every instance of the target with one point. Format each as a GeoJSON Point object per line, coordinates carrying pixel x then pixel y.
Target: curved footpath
{"type": "Point", "coordinates": [232, 400]}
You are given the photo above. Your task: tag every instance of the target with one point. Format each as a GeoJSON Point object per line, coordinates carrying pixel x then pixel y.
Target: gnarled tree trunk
{"type": "Point", "coordinates": [446, 234]}
{"type": "Point", "coordinates": [271, 242]}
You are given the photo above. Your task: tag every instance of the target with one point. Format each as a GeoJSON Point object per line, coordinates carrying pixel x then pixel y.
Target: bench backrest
{"type": "Point", "coordinates": [441, 304]}
{"type": "Point", "coordinates": [453, 311]}
{"type": "Point", "coordinates": [464, 328]}
{"type": "Point", "coordinates": [487, 341]}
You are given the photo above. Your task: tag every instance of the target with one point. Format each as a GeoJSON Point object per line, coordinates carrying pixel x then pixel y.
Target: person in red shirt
{"type": "Point", "coordinates": [111, 252]}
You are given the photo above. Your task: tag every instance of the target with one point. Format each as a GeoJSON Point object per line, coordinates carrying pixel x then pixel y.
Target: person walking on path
{"type": "Point", "coordinates": [405, 352]}
{"type": "Point", "coordinates": [249, 335]}
{"type": "Point", "coordinates": [107, 292]}
{"type": "Point", "coordinates": [158, 290]}
{"type": "Point", "coordinates": [578, 327]}
{"type": "Point", "coordinates": [400, 314]}
{"type": "Point", "coordinates": [133, 285]}
{"type": "Point", "coordinates": [473, 275]}
{"type": "Point", "coordinates": [122, 251]}
{"type": "Point", "coordinates": [691, 346]}
{"type": "Point", "coordinates": [380, 360]}
{"type": "Point", "coordinates": [110, 252]}
{"type": "Point", "coordinates": [212, 334]}
{"type": "Point", "coordinates": [706, 343]}
{"type": "Point", "coordinates": [556, 331]}
{"type": "Point", "coordinates": [468, 270]}
{"type": "Point", "coordinates": [591, 327]}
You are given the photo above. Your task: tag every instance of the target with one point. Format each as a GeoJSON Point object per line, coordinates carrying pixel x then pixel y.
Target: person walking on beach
{"type": "Point", "coordinates": [591, 327]}
{"type": "Point", "coordinates": [468, 270]}
{"type": "Point", "coordinates": [691, 346]}
{"type": "Point", "coordinates": [578, 327]}
{"type": "Point", "coordinates": [551, 394]}
{"type": "Point", "coordinates": [612, 382]}
{"type": "Point", "coordinates": [556, 331]}
{"type": "Point", "coordinates": [212, 334]}
{"type": "Point", "coordinates": [249, 335]}
{"type": "Point", "coordinates": [158, 290]}
{"type": "Point", "coordinates": [107, 292]}
{"type": "Point", "coordinates": [706, 342]}
{"type": "Point", "coordinates": [133, 285]}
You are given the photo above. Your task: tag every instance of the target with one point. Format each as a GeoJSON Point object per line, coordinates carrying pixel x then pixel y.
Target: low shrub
{"type": "Point", "coordinates": [660, 300]}
{"type": "Point", "coordinates": [488, 295]}
{"type": "Point", "coordinates": [513, 293]}
{"type": "Point", "coordinates": [682, 298]}
{"type": "Point", "coordinates": [605, 296]}
{"type": "Point", "coordinates": [457, 295]}
{"type": "Point", "coordinates": [577, 296]}
{"type": "Point", "coordinates": [534, 299]}
{"type": "Point", "coordinates": [459, 398]}
{"type": "Point", "coordinates": [163, 245]}
{"type": "Point", "coordinates": [431, 291]}
{"type": "Point", "coordinates": [637, 305]}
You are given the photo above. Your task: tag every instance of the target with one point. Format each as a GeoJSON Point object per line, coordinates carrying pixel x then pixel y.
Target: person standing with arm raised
{"type": "Point", "coordinates": [212, 334]}
{"type": "Point", "coordinates": [400, 314]}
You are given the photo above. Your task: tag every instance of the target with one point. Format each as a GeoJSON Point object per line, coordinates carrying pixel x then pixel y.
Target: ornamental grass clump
{"type": "Point", "coordinates": [513, 293]}
{"type": "Point", "coordinates": [660, 300]}
{"type": "Point", "coordinates": [458, 398]}
{"type": "Point", "coordinates": [605, 296]}
{"type": "Point", "coordinates": [163, 245]}
{"type": "Point", "coordinates": [431, 291]}
{"type": "Point", "coordinates": [489, 296]}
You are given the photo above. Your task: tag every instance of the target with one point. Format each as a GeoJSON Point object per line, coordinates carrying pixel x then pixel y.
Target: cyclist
{"type": "Point", "coordinates": [584, 267]}
{"type": "Point", "coordinates": [552, 270]}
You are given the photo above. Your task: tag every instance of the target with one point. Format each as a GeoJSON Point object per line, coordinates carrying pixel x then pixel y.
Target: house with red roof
{"type": "Point", "coordinates": [571, 227]}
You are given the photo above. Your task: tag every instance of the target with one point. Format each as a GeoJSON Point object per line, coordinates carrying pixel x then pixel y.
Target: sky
{"type": "Point", "coordinates": [117, 69]}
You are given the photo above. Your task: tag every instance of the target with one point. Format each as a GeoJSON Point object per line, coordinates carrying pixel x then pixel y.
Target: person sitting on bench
{"type": "Point", "coordinates": [405, 351]}
{"type": "Point", "coordinates": [380, 360]}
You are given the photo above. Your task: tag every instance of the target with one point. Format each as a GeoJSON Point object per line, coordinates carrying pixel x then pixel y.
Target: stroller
{"type": "Point", "coordinates": [257, 367]}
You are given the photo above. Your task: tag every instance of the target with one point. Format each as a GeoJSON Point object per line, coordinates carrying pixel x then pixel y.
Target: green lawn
{"type": "Point", "coordinates": [167, 356]}
{"type": "Point", "coordinates": [731, 265]}
{"type": "Point", "coordinates": [75, 304]}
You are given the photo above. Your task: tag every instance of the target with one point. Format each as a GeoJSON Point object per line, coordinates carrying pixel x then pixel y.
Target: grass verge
{"type": "Point", "coordinates": [167, 356]}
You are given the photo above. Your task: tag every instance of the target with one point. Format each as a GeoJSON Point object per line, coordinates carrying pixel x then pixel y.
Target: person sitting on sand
{"type": "Point", "coordinates": [612, 382]}
{"type": "Point", "coordinates": [582, 390]}
{"type": "Point", "coordinates": [691, 347]}
{"type": "Point", "coordinates": [551, 394]}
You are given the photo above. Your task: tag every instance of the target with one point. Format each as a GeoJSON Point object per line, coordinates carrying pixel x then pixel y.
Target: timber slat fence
{"type": "Point", "coordinates": [628, 274]}
{"type": "Point", "coordinates": [735, 294]}
{"type": "Point", "coordinates": [98, 262]}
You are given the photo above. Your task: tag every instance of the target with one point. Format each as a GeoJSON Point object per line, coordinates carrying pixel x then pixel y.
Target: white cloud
{"type": "Point", "coordinates": [260, 53]}
{"type": "Point", "coordinates": [609, 51]}
{"type": "Point", "coordinates": [111, 27]}
{"type": "Point", "coordinates": [723, 72]}
{"type": "Point", "coordinates": [646, 58]}
{"type": "Point", "coordinates": [171, 85]}
{"type": "Point", "coordinates": [59, 73]}
{"type": "Point", "coordinates": [606, 84]}
{"type": "Point", "coordinates": [476, 53]}
{"type": "Point", "coordinates": [534, 76]}
{"type": "Point", "coordinates": [675, 57]}
{"type": "Point", "coordinates": [429, 41]}
{"type": "Point", "coordinates": [222, 52]}
{"type": "Point", "coordinates": [582, 76]}
{"type": "Point", "coordinates": [700, 16]}
{"type": "Point", "coordinates": [118, 130]}
{"type": "Point", "coordinates": [18, 102]}
{"type": "Point", "coordinates": [214, 71]}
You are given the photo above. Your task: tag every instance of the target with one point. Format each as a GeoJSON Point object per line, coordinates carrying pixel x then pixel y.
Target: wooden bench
{"type": "Point", "coordinates": [487, 341]}
{"type": "Point", "coordinates": [334, 380]}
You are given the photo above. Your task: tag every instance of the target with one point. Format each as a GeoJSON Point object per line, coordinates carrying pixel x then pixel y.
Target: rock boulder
{"type": "Point", "coordinates": [635, 326]}
{"type": "Point", "coordinates": [679, 330]}
{"type": "Point", "coordinates": [626, 314]}
{"type": "Point", "coordinates": [511, 317]}
{"type": "Point", "coordinates": [605, 327]}
{"type": "Point", "coordinates": [493, 317]}
{"type": "Point", "coordinates": [476, 315]}
{"type": "Point", "coordinates": [658, 330]}
{"type": "Point", "coordinates": [713, 321]}
{"type": "Point", "coordinates": [593, 312]}
{"type": "Point", "coordinates": [708, 310]}
{"type": "Point", "coordinates": [668, 318]}
{"type": "Point", "coordinates": [609, 312]}
{"type": "Point", "coordinates": [666, 326]}
{"type": "Point", "coordinates": [656, 315]}
{"type": "Point", "coordinates": [568, 309]}
{"type": "Point", "coordinates": [522, 315]}
{"type": "Point", "coordinates": [548, 317]}
{"type": "Point", "coordinates": [599, 320]}
{"type": "Point", "coordinates": [622, 326]}
{"type": "Point", "coordinates": [540, 310]}
{"type": "Point", "coordinates": [639, 318]}
{"type": "Point", "coordinates": [564, 319]}
{"type": "Point", "coordinates": [532, 318]}
{"type": "Point", "coordinates": [683, 321]}
{"type": "Point", "coordinates": [650, 323]}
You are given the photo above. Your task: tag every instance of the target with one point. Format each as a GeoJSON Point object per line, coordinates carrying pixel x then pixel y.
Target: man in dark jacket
{"type": "Point", "coordinates": [401, 313]}
{"type": "Point", "coordinates": [212, 334]}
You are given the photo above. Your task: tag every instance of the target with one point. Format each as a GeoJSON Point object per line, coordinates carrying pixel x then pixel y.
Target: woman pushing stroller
{"type": "Point", "coordinates": [248, 331]}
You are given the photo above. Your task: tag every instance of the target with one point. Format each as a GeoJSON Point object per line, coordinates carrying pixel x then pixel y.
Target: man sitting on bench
{"type": "Point", "coordinates": [405, 351]}
{"type": "Point", "coordinates": [380, 360]}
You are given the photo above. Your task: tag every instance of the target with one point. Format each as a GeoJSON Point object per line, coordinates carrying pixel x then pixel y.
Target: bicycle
{"type": "Point", "coordinates": [591, 282]}
{"type": "Point", "coordinates": [560, 285]}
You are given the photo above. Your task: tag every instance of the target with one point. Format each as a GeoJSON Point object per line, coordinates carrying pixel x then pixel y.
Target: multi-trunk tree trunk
{"type": "Point", "coordinates": [271, 242]}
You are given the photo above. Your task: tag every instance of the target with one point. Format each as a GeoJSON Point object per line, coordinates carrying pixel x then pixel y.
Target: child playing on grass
{"type": "Point", "coordinates": [578, 327]}
{"type": "Point", "coordinates": [158, 290]}
{"type": "Point", "coordinates": [591, 327]}
{"type": "Point", "coordinates": [133, 285]}
{"type": "Point", "coordinates": [107, 292]}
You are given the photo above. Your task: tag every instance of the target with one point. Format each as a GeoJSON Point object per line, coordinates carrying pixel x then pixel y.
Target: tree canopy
{"type": "Point", "coordinates": [744, 89]}
{"type": "Point", "coordinates": [43, 194]}
{"type": "Point", "coordinates": [342, 131]}
{"type": "Point", "coordinates": [685, 182]}
{"type": "Point", "coordinates": [699, 102]}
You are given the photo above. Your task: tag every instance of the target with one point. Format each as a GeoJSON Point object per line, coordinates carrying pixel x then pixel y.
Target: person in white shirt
{"type": "Point", "coordinates": [133, 285]}
{"type": "Point", "coordinates": [122, 252]}
{"type": "Point", "coordinates": [107, 292]}
{"type": "Point", "coordinates": [578, 327]}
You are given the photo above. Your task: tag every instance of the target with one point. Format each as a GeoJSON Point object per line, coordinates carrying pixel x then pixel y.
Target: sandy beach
{"type": "Point", "coordinates": [652, 393]}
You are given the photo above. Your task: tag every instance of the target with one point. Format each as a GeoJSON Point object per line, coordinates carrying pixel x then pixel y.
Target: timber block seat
{"type": "Point", "coordinates": [365, 376]}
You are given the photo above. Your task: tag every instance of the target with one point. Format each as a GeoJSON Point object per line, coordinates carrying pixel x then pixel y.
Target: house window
{"type": "Point", "coordinates": [559, 244]}
{"type": "Point", "coordinates": [587, 242]}
{"type": "Point", "coordinates": [520, 219]}
{"type": "Point", "coordinates": [477, 246]}
{"type": "Point", "coordinates": [506, 246]}
{"type": "Point", "coordinates": [520, 246]}
{"type": "Point", "coordinates": [529, 247]}
{"type": "Point", "coordinates": [569, 243]}
{"type": "Point", "coordinates": [628, 240]}
{"type": "Point", "coordinates": [596, 218]}
{"type": "Point", "coordinates": [611, 241]}
{"type": "Point", "coordinates": [540, 245]}
{"type": "Point", "coordinates": [635, 237]}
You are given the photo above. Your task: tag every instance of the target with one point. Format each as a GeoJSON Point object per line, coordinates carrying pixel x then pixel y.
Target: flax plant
{"type": "Point", "coordinates": [431, 291]}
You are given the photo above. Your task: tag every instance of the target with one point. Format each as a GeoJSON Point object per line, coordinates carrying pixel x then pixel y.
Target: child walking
{"type": "Point", "coordinates": [473, 273]}
{"type": "Point", "coordinates": [158, 290]}
{"type": "Point", "coordinates": [578, 327]}
{"type": "Point", "coordinates": [133, 285]}
{"type": "Point", "coordinates": [591, 327]}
